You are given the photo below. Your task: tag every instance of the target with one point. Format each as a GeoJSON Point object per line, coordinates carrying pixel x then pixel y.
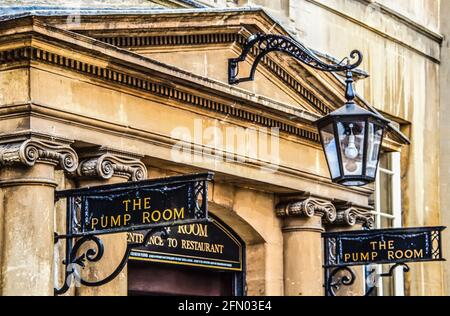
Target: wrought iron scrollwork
{"type": "Point", "coordinates": [388, 274]}
{"type": "Point", "coordinates": [335, 278]}
{"type": "Point", "coordinates": [261, 44]}
{"type": "Point", "coordinates": [94, 254]}
{"type": "Point", "coordinates": [342, 276]}
{"type": "Point", "coordinates": [200, 196]}
{"type": "Point", "coordinates": [436, 244]}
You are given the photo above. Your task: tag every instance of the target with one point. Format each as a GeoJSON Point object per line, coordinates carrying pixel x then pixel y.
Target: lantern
{"type": "Point", "coordinates": [351, 138]}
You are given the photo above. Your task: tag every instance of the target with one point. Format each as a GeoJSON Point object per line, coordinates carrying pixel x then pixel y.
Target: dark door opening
{"type": "Point", "coordinates": [155, 279]}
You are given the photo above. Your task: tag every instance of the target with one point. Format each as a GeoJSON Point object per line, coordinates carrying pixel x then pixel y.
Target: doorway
{"type": "Point", "coordinates": [206, 259]}
{"type": "Point", "coordinates": [156, 279]}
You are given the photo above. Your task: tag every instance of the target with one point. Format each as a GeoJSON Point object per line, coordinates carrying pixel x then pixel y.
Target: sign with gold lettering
{"type": "Point", "coordinates": [383, 246]}
{"type": "Point", "coordinates": [137, 205]}
{"type": "Point", "coordinates": [210, 245]}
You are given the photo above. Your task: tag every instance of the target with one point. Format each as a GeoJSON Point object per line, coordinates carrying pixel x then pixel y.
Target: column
{"type": "Point", "coordinates": [27, 165]}
{"type": "Point", "coordinates": [99, 166]}
{"type": "Point", "coordinates": [302, 244]}
{"type": "Point", "coordinates": [351, 217]}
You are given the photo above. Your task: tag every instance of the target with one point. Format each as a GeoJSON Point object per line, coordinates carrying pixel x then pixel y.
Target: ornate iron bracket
{"type": "Point", "coordinates": [388, 274]}
{"type": "Point", "coordinates": [261, 44]}
{"type": "Point", "coordinates": [335, 278]}
{"type": "Point", "coordinates": [72, 259]}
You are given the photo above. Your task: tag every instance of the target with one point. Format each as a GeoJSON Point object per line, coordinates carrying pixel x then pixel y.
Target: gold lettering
{"type": "Point", "coordinates": [390, 244]}
{"type": "Point", "coordinates": [182, 229]}
{"type": "Point", "coordinates": [382, 245]}
{"type": "Point", "coordinates": [364, 256]}
{"type": "Point", "coordinates": [146, 203]}
{"type": "Point", "coordinates": [156, 240]}
{"type": "Point", "coordinates": [126, 219]}
{"type": "Point", "coordinates": [145, 217]}
{"type": "Point", "coordinates": [178, 214]}
{"type": "Point", "coordinates": [418, 254]}
{"type": "Point", "coordinates": [126, 204]}
{"type": "Point", "coordinates": [167, 214]}
{"type": "Point", "coordinates": [408, 254]}
{"type": "Point", "coordinates": [135, 237]}
{"type": "Point", "coordinates": [94, 222]}
{"type": "Point", "coordinates": [158, 214]}
{"type": "Point", "coordinates": [136, 202]}
{"type": "Point", "coordinates": [104, 221]}
{"type": "Point", "coordinates": [116, 221]}
{"type": "Point", "coordinates": [373, 244]}
{"type": "Point", "coordinates": [346, 257]}
{"type": "Point", "coordinates": [203, 230]}
{"type": "Point", "coordinates": [193, 229]}
{"type": "Point", "coordinates": [373, 256]}
{"type": "Point", "coordinates": [390, 255]}
{"type": "Point", "coordinates": [398, 254]}
{"type": "Point", "coordinates": [201, 246]}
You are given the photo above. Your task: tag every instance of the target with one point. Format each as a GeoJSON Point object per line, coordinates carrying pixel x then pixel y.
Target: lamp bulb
{"type": "Point", "coordinates": [351, 152]}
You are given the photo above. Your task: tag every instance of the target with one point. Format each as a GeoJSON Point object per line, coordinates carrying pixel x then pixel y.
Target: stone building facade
{"type": "Point", "coordinates": [107, 94]}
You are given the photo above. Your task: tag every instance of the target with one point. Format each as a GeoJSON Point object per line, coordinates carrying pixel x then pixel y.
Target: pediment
{"type": "Point", "coordinates": [202, 43]}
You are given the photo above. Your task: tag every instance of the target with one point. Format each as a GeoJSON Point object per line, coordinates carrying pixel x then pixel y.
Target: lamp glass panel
{"type": "Point", "coordinates": [329, 144]}
{"type": "Point", "coordinates": [351, 142]}
{"type": "Point", "coordinates": [375, 134]}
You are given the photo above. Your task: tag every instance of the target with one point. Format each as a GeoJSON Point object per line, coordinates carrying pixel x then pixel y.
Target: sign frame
{"type": "Point", "coordinates": [76, 236]}
{"type": "Point", "coordinates": [339, 273]}
{"type": "Point", "coordinates": [332, 256]}
{"type": "Point", "coordinates": [76, 209]}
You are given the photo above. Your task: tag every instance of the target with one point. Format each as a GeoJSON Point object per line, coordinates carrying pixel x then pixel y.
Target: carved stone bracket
{"type": "Point", "coordinates": [28, 151]}
{"type": "Point", "coordinates": [308, 207]}
{"type": "Point", "coordinates": [349, 215]}
{"type": "Point", "coordinates": [104, 163]}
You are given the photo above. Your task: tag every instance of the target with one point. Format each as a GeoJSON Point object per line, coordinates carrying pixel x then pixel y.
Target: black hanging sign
{"type": "Point", "coordinates": [137, 205]}
{"type": "Point", "coordinates": [209, 245]}
{"type": "Point", "coordinates": [383, 246]}
{"type": "Point", "coordinates": [153, 206]}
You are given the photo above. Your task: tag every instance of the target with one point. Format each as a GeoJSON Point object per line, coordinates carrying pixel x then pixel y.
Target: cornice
{"type": "Point", "coordinates": [435, 36]}
{"type": "Point", "coordinates": [410, 44]}
{"type": "Point", "coordinates": [138, 82]}
{"type": "Point", "coordinates": [166, 142]}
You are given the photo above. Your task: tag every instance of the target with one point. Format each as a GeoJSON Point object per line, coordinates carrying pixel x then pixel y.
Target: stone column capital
{"type": "Point", "coordinates": [348, 214]}
{"type": "Point", "coordinates": [307, 207]}
{"type": "Point", "coordinates": [27, 149]}
{"type": "Point", "coordinates": [104, 163]}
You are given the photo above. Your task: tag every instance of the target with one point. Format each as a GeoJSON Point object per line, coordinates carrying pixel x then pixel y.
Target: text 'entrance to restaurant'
{"type": "Point", "coordinates": [196, 259]}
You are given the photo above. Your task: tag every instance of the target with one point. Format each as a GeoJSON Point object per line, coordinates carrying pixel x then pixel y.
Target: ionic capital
{"type": "Point", "coordinates": [350, 215]}
{"type": "Point", "coordinates": [105, 163]}
{"type": "Point", "coordinates": [27, 150]}
{"type": "Point", "coordinates": [308, 207]}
